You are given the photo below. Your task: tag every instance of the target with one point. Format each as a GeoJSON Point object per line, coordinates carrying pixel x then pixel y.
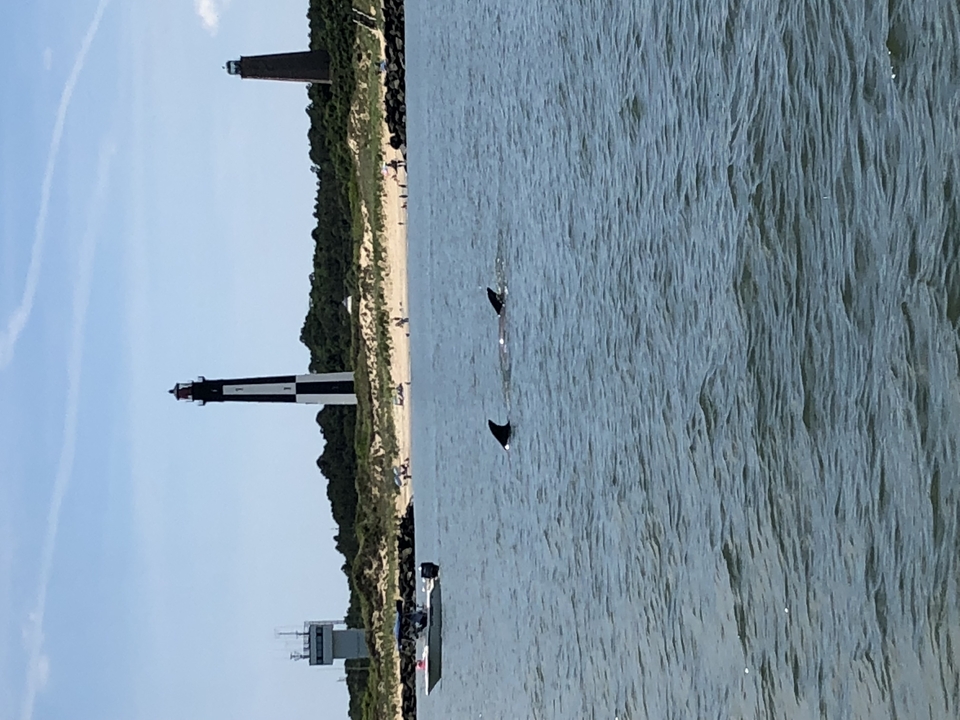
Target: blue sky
{"type": "Point", "coordinates": [155, 219]}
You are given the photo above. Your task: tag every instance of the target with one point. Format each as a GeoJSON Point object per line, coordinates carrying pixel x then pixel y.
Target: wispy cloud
{"type": "Point", "coordinates": [38, 665]}
{"type": "Point", "coordinates": [209, 12]}
{"type": "Point", "coordinates": [43, 671]}
{"type": "Point", "coordinates": [18, 320]}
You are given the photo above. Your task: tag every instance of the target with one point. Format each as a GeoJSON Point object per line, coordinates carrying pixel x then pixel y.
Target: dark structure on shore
{"type": "Point", "coordinates": [395, 73]}
{"type": "Point", "coordinates": [406, 551]}
{"type": "Point", "coordinates": [312, 66]}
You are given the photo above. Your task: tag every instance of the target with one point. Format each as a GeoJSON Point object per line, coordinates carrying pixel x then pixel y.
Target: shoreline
{"type": "Point", "coordinates": [361, 253]}
{"type": "Point", "coordinates": [396, 294]}
{"type": "Point", "coordinates": [396, 291]}
{"type": "Point", "coordinates": [396, 297]}
{"type": "Point", "coordinates": [392, 240]}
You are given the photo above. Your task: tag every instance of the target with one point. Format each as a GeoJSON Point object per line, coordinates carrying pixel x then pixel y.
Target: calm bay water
{"type": "Point", "coordinates": [730, 242]}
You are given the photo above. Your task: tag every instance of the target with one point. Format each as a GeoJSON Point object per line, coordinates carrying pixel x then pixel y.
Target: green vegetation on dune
{"type": "Point", "coordinates": [327, 330]}
{"type": "Point", "coordinates": [360, 489]}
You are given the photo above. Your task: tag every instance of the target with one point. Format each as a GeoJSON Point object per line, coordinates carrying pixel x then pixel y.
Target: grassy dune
{"type": "Point", "coordinates": [345, 140]}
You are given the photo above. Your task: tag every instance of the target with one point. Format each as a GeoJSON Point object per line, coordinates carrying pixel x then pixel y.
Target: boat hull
{"type": "Point", "coordinates": [434, 654]}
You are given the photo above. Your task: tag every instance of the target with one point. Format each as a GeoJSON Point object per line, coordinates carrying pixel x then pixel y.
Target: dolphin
{"type": "Point", "coordinates": [496, 299]}
{"type": "Point", "coordinates": [501, 433]}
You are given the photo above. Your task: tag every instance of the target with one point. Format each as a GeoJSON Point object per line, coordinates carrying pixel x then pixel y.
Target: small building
{"type": "Point", "coordinates": [323, 643]}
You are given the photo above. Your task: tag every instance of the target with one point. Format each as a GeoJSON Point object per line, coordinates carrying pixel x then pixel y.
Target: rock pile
{"type": "Point", "coordinates": [394, 77]}
{"type": "Point", "coordinates": [407, 567]}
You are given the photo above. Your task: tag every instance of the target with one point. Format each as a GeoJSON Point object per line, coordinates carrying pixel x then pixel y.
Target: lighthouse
{"type": "Point", "coordinates": [313, 389]}
{"type": "Point", "coordinates": [312, 66]}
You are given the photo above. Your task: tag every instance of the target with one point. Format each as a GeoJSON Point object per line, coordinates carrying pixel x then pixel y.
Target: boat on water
{"type": "Point", "coordinates": [433, 647]}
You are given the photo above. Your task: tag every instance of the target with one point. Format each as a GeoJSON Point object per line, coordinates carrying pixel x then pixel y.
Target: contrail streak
{"type": "Point", "coordinates": [81, 301]}
{"type": "Point", "coordinates": [20, 316]}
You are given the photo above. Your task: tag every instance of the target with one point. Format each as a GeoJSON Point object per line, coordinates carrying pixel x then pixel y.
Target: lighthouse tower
{"type": "Point", "coordinates": [314, 389]}
{"type": "Point", "coordinates": [312, 66]}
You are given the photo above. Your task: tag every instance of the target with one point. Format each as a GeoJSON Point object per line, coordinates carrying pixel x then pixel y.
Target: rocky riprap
{"type": "Point", "coordinates": [407, 567]}
{"type": "Point", "coordinates": [394, 77]}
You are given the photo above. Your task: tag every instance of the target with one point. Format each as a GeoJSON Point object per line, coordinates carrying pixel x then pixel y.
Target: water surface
{"type": "Point", "coordinates": [729, 235]}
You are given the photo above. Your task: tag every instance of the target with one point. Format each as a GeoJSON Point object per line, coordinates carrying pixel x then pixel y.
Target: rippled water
{"type": "Point", "coordinates": [729, 234]}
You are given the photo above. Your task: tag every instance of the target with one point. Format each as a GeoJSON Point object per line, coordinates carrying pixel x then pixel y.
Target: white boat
{"type": "Point", "coordinates": [433, 649]}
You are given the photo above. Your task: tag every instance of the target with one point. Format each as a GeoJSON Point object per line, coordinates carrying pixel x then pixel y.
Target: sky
{"type": "Point", "coordinates": [155, 218]}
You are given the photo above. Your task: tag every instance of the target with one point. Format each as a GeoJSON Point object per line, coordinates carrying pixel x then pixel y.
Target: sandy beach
{"type": "Point", "coordinates": [395, 291]}
{"type": "Point", "coordinates": [396, 296]}
{"type": "Point", "coordinates": [393, 286]}
{"type": "Point", "coordinates": [395, 241]}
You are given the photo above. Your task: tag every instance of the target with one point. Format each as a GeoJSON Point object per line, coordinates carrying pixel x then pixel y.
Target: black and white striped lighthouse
{"type": "Point", "coordinates": [314, 389]}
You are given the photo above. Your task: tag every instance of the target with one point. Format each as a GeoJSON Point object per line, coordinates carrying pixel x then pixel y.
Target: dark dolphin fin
{"type": "Point", "coordinates": [495, 299]}
{"type": "Point", "coordinates": [501, 433]}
